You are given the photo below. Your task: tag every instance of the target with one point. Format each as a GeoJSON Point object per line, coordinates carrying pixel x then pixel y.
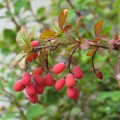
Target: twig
{"type": "Point", "coordinates": [70, 58]}
{"type": "Point", "coordinates": [72, 6]}
{"type": "Point", "coordinates": [12, 17]}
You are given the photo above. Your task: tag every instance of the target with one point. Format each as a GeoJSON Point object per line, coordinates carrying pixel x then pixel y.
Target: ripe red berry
{"type": "Point", "coordinates": [76, 95]}
{"type": "Point", "coordinates": [77, 72]}
{"type": "Point", "coordinates": [58, 68]}
{"type": "Point", "coordinates": [38, 71]}
{"type": "Point", "coordinates": [99, 75]}
{"type": "Point", "coordinates": [39, 89]}
{"type": "Point", "coordinates": [26, 78]}
{"type": "Point", "coordinates": [70, 92]}
{"type": "Point", "coordinates": [49, 79]}
{"type": "Point", "coordinates": [38, 79]}
{"type": "Point", "coordinates": [60, 84]}
{"type": "Point", "coordinates": [30, 90]}
{"type": "Point", "coordinates": [33, 98]}
{"type": "Point", "coordinates": [35, 43]}
{"type": "Point", "coordinates": [69, 80]}
{"type": "Point", "coordinates": [18, 86]}
{"type": "Point", "coordinates": [32, 56]}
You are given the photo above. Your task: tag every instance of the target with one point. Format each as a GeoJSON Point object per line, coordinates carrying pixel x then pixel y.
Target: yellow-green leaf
{"type": "Point", "coordinates": [22, 39]}
{"type": "Point", "coordinates": [17, 59]}
{"type": "Point", "coordinates": [48, 34]}
{"type": "Point", "coordinates": [62, 18]}
{"type": "Point", "coordinates": [22, 63]}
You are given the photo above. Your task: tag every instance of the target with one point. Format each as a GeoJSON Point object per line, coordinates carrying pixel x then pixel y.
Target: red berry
{"type": "Point", "coordinates": [70, 92]}
{"type": "Point", "coordinates": [30, 90]}
{"type": "Point", "coordinates": [69, 80]}
{"type": "Point", "coordinates": [99, 75]}
{"type": "Point", "coordinates": [77, 72]}
{"type": "Point", "coordinates": [18, 86]}
{"type": "Point", "coordinates": [49, 79]}
{"type": "Point", "coordinates": [35, 43]}
{"type": "Point", "coordinates": [60, 84]}
{"type": "Point", "coordinates": [26, 78]}
{"type": "Point", "coordinates": [76, 95]}
{"type": "Point", "coordinates": [33, 98]}
{"type": "Point", "coordinates": [58, 68]}
{"type": "Point", "coordinates": [32, 56]}
{"type": "Point", "coordinates": [44, 82]}
{"type": "Point", "coordinates": [38, 79]}
{"type": "Point", "coordinates": [38, 71]}
{"type": "Point", "coordinates": [39, 89]}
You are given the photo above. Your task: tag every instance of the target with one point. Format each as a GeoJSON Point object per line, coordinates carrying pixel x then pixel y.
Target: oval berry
{"type": "Point", "coordinates": [49, 79]}
{"type": "Point", "coordinates": [76, 95]}
{"type": "Point", "coordinates": [70, 92]}
{"type": "Point", "coordinates": [99, 75]}
{"type": "Point", "coordinates": [33, 98]}
{"type": "Point", "coordinates": [26, 78]}
{"type": "Point", "coordinates": [32, 56]}
{"type": "Point", "coordinates": [35, 43]}
{"type": "Point", "coordinates": [30, 90]}
{"type": "Point", "coordinates": [58, 68]}
{"type": "Point", "coordinates": [38, 71]}
{"type": "Point", "coordinates": [77, 72]}
{"type": "Point", "coordinates": [18, 86]}
{"type": "Point", "coordinates": [69, 80]}
{"type": "Point", "coordinates": [60, 84]}
{"type": "Point", "coordinates": [39, 89]}
{"type": "Point", "coordinates": [38, 79]}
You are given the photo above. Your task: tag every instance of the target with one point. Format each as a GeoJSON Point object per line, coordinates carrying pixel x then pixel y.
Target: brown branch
{"type": "Point", "coordinates": [12, 17]}
{"type": "Point", "coordinates": [72, 6]}
{"type": "Point", "coordinates": [70, 58]}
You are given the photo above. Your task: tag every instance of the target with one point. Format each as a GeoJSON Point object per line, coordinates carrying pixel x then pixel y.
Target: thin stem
{"type": "Point", "coordinates": [72, 6]}
{"type": "Point", "coordinates": [70, 58]}
{"type": "Point", "coordinates": [12, 17]}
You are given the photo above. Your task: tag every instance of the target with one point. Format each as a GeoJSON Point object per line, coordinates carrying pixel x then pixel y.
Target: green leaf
{"type": "Point", "coordinates": [9, 34]}
{"type": "Point", "coordinates": [35, 111]}
{"type": "Point", "coordinates": [114, 95]}
{"type": "Point", "coordinates": [19, 4]}
{"type": "Point", "coordinates": [8, 116]}
{"type": "Point", "coordinates": [1, 6]}
{"type": "Point", "coordinates": [41, 11]}
{"type": "Point", "coordinates": [17, 59]}
{"type": "Point", "coordinates": [116, 4]}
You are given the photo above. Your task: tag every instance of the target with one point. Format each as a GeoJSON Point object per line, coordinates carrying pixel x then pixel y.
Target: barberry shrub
{"type": "Point", "coordinates": [35, 80]}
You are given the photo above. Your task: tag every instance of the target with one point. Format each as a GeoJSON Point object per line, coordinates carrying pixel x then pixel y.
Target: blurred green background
{"type": "Point", "coordinates": [98, 100]}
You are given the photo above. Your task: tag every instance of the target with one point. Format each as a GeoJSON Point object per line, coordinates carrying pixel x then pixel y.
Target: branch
{"type": "Point", "coordinates": [12, 17]}
{"type": "Point", "coordinates": [72, 6]}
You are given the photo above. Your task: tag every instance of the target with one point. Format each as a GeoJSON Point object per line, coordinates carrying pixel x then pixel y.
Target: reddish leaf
{"type": "Point", "coordinates": [77, 23]}
{"type": "Point", "coordinates": [62, 18]}
{"type": "Point", "coordinates": [98, 28]}
{"type": "Point", "coordinates": [67, 28]}
{"type": "Point", "coordinates": [91, 52]}
{"type": "Point", "coordinates": [116, 37]}
{"type": "Point", "coordinates": [48, 34]}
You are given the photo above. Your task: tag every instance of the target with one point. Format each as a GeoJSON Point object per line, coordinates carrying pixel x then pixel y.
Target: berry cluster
{"type": "Point", "coordinates": [35, 83]}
